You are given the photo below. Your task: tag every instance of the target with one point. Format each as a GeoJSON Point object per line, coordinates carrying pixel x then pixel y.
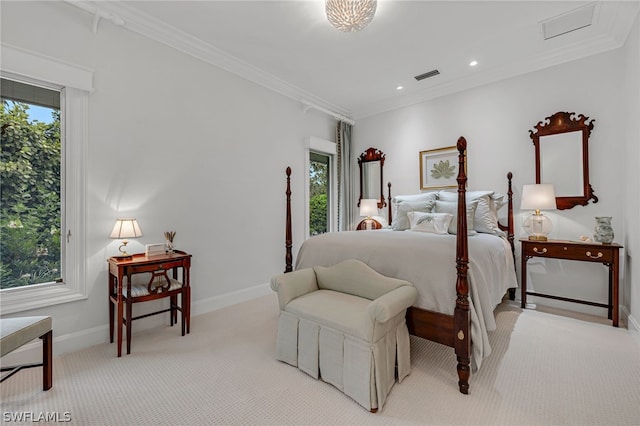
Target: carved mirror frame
{"type": "Point", "coordinates": [559, 123]}
{"type": "Point", "coordinates": [369, 156]}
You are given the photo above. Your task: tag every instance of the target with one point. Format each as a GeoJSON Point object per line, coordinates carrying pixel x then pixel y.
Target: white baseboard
{"type": "Point", "coordinates": [32, 352]}
{"type": "Point", "coordinates": [214, 303]}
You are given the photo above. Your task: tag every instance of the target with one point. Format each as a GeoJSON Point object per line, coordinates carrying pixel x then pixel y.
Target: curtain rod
{"type": "Point", "coordinates": [306, 106]}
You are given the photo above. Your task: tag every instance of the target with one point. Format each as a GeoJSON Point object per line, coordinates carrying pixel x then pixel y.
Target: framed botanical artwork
{"type": "Point", "coordinates": [439, 168]}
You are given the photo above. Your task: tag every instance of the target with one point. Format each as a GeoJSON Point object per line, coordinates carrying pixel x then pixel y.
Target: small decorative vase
{"type": "Point", "coordinates": [604, 231]}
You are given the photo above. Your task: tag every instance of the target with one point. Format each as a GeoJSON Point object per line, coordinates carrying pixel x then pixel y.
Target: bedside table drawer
{"type": "Point", "coordinates": [170, 264]}
{"type": "Point", "coordinates": [570, 252]}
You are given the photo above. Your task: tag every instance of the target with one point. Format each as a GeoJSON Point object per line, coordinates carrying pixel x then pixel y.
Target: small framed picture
{"type": "Point", "coordinates": [439, 168]}
{"type": "Point", "coordinates": [154, 249]}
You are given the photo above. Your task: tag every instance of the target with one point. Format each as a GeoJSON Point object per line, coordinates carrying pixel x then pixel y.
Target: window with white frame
{"type": "Point", "coordinates": [321, 188]}
{"type": "Point", "coordinates": [44, 132]}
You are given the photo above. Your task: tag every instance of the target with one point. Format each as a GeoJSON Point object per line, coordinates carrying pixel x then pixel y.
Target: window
{"type": "Point", "coordinates": [321, 197]}
{"type": "Point", "coordinates": [319, 193]}
{"type": "Point", "coordinates": [30, 185]}
{"type": "Point", "coordinates": [43, 213]}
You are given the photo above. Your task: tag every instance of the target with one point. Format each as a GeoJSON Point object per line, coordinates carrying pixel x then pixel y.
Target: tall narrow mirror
{"type": "Point", "coordinates": [371, 164]}
{"type": "Point", "coordinates": [561, 144]}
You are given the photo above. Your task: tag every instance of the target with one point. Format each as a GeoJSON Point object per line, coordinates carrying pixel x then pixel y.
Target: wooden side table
{"type": "Point", "coordinates": [123, 294]}
{"type": "Point", "coordinates": [607, 254]}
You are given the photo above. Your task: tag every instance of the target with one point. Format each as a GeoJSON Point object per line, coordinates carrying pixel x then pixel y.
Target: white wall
{"type": "Point", "coordinates": [180, 145]}
{"type": "Point", "coordinates": [496, 119]}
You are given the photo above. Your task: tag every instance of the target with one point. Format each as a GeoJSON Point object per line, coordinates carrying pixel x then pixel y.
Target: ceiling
{"type": "Point", "coordinates": [290, 47]}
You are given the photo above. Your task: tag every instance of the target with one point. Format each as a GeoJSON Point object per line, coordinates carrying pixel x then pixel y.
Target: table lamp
{"type": "Point", "coordinates": [368, 208]}
{"type": "Point", "coordinates": [123, 229]}
{"type": "Point", "coordinates": [538, 197]}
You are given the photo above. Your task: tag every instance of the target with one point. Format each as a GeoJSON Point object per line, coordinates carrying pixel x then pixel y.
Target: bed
{"type": "Point", "coordinates": [455, 304]}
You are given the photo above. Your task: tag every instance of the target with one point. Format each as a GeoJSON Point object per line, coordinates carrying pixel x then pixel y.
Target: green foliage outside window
{"type": "Point", "coordinates": [319, 185]}
{"type": "Point", "coordinates": [30, 215]}
{"type": "Point", "coordinates": [318, 214]}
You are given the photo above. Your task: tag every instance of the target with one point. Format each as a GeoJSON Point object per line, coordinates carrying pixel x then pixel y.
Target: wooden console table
{"type": "Point", "coordinates": [124, 294]}
{"type": "Point", "coordinates": [607, 254]}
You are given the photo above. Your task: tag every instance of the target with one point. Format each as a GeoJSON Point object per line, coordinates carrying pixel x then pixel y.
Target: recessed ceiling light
{"type": "Point", "coordinates": [399, 87]}
{"type": "Point", "coordinates": [473, 63]}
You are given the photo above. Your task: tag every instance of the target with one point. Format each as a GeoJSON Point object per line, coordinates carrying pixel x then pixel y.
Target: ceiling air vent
{"type": "Point", "coordinates": [570, 21]}
{"type": "Point", "coordinates": [427, 75]}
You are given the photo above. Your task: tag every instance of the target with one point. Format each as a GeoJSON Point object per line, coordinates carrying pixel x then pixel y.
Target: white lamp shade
{"type": "Point", "coordinates": [540, 196]}
{"type": "Point", "coordinates": [126, 228]}
{"type": "Point", "coordinates": [368, 207]}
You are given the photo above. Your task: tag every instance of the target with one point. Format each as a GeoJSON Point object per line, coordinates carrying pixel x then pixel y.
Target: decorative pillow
{"type": "Point", "coordinates": [434, 223]}
{"type": "Point", "coordinates": [452, 209]}
{"type": "Point", "coordinates": [401, 221]}
{"type": "Point", "coordinates": [486, 216]}
{"type": "Point", "coordinates": [423, 196]}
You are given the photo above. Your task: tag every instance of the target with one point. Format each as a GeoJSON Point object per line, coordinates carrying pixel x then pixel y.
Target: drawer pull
{"type": "Point", "coordinates": [598, 256]}
{"type": "Point", "coordinates": [543, 251]}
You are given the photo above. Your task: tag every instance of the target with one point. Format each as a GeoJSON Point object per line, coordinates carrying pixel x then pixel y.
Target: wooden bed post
{"type": "Point", "coordinates": [288, 241]}
{"type": "Point", "coordinates": [389, 203]}
{"type": "Point", "coordinates": [461, 316]}
{"type": "Point", "coordinates": [510, 230]}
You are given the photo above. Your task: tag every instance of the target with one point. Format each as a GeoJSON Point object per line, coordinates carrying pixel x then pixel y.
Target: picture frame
{"type": "Point", "coordinates": [439, 168]}
{"type": "Point", "coordinates": [154, 249]}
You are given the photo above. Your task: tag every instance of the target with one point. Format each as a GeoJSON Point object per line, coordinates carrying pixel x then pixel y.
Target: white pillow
{"type": "Point", "coordinates": [423, 196]}
{"type": "Point", "coordinates": [486, 217]}
{"type": "Point", "coordinates": [452, 209]}
{"type": "Point", "coordinates": [401, 220]}
{"type": "Point", "coordinates": [434, 223]}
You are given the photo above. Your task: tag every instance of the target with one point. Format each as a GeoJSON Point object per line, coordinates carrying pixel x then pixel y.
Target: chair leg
{"type": "Point", "coordinates": [47, 360]}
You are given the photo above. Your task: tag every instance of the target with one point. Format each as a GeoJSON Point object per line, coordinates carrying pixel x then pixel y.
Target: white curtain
{"type": "Point", "coordinates": [345, 181]}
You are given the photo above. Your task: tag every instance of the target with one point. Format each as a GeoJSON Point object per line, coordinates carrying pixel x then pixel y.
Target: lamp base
{"type": "Point", "coordinates": [538, 238]}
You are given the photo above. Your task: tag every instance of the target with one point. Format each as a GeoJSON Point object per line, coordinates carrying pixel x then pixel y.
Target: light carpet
{"type": "Point", "coordinates": [544, 369]}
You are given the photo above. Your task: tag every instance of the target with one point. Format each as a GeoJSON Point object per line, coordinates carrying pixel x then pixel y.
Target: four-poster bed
{"type": "Point", "coordinates": [434, 319]}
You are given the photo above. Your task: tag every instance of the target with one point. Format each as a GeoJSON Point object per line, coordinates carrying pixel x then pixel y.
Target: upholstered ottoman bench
{"type": "Point", "coordinates": [15, 332]}
{"type": "Point", "coordinates": [346, 325]}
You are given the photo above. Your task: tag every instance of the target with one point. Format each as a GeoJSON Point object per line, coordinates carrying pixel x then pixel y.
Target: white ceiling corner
{"type": "Point", "coordinates": [288, 47]}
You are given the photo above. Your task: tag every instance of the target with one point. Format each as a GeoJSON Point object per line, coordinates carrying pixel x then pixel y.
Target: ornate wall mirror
{"type": "Point", "coordinates": [561, 143]}
{"type": "Point", "coordinates": [371, 163]}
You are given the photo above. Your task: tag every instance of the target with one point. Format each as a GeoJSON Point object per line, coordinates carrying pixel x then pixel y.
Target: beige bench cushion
{"type": "Point", "coordinates": [15, 332]}
{"type": "Point", "coordinates": [340, 311]}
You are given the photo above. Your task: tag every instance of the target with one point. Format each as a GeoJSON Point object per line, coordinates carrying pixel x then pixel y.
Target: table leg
{"type": "Point", "coordinates": [613, 280]}
{"type": "Point", "coordinates": [119, 319]}
{"type": "Point", "coordinates": [111, 307]}
{"type": "Point", "coordinates": [523, 282]}
{"type": "Point", "coordinates": [188, 312]}
{"type": "Point", "coordinates": [129, 322]}
{"type": "Point", "coordinates": [120, 312]}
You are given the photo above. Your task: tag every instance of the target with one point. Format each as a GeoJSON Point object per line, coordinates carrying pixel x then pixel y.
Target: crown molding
{"type": "Point", "coordinates": [159, 31]}
{"type": "Point", "coordinates": [618, 19]}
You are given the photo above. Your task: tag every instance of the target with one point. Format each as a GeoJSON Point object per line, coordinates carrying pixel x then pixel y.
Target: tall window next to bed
{"type": "Point", "coordinates": [319, 193]}
{"type": "Point", "coordinates": [321, 197]}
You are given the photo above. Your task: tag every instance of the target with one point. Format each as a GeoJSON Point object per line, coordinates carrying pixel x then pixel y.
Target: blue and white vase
{"type": "Point", "coordinates": [604, 231]}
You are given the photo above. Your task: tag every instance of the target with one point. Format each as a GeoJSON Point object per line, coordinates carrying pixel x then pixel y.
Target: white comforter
{"type": "Point", "coordinates": [427, 261]}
